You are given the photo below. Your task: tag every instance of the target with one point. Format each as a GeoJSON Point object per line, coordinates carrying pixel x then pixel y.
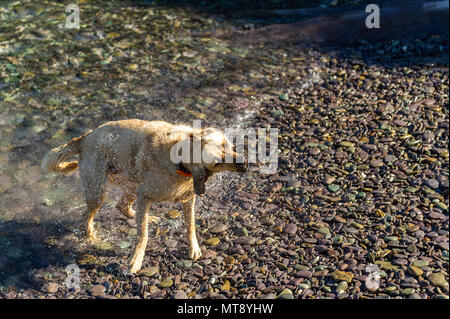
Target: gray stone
{"type": "Point", "coordinates": [51, 287]}
{"type": "Point", "coordinates": [97, 290]}
{"type": "Point", "coordinates": [245, 240]}
{"type": "Point", "coordinates": [179, 294]}
{"type": "Point", "coordinates": [438, 280]}
{"type": "Point", "coordinates": [291, 229]}
{"type": "Point", "coordinates": [218, 228]}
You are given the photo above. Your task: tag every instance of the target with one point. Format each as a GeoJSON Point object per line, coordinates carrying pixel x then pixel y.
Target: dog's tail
{"type": "Point", "coordinates": [53, 161]}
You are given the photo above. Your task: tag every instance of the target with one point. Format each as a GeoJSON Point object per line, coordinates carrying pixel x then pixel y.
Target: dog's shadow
{"type": "Point", "coordinates": [26, 247]}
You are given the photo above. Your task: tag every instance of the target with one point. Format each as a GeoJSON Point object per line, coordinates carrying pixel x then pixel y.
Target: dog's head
{"type": "Point", "coordinates": [209, 152]}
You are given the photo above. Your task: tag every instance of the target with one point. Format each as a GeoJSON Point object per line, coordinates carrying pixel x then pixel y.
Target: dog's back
{"type": "Point", "coordinates": [117, 141]}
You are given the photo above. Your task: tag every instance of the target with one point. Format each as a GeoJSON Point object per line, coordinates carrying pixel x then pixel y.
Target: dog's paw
{"type": "Point", "coordinates": [131, 213]}
{"type": "Point", "coordinates": [134, 269]}
{"type": "Point", "coordinates": [136, 263]}
{"type": "Point", "coordinates": [92, 239]}
{"type": "Point", "coordinates": [195, 252]}
{"type": "Point", "coordinates": [90, 235]}
{"type": "Point", "coordinates": [153, 219]}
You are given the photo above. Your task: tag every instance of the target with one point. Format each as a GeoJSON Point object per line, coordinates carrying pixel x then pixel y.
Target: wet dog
{"type": "Point", "coordinates": [138, 157]}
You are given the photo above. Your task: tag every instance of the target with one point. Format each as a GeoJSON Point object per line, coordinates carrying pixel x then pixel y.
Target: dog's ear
{"type": "Point", "coordinates": [199, 177]}
{"type": "Point", "coordinates": [180, 142]}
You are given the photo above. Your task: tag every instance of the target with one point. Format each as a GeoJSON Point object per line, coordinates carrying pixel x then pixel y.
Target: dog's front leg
{"type": "Point", "coordinates": [142, 219]}
{"type": "Point", "coordinates": [189, 218]}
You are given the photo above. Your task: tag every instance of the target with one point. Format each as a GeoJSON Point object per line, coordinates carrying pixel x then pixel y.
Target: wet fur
{"type": "Point", "coordinates": [135, 155]}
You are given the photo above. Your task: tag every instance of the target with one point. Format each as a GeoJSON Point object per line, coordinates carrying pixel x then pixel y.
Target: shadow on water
{"type": "Point", "coordinates": [29, 247]}
{"type": "Point", "coordinates": [248, 13]}
{"type": "Point", "coordinates": [414, 31]}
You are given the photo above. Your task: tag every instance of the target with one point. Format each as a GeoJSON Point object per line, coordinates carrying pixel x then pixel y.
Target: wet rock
{"type": "Point", "coordinates": [218, 228]}
{"type": "Point", "coordinates": [433, 183]}
{"type": "Point", "coordinates": [342, 287]}
{"type": "Point", "coordinates": [51, 287]}
{"type": "Point", "coordinates": [407, 291]}
{"type": "Point", "coordinates": [291, 229]}
{"type": "Point", "coordinates": [329, 180]}
{"type": "Point", "coordinates": [180, 295]}
{"type": "Point", "coordinates": [166, 283]}
{"type": "Point", "coordinates": [376, 163]}
{"type": "Point", "coordinates": [87, 259]}
{"type": "Point", "coordinates": [5, 182]}
{"type": "Point", "coordinates": [285, 294]}
{"type": "Point", "coordinates": [103, 245]}
{"type": "Point", "coordinates": [415, 271]}
{"type": "Point", "coordinates": [112, 267]}
{"type": "Point", "coordinates": [241, 231]}
{"type": "Point", "coordinates": [229, 260]}
{"type": "Point", "coordinates": [324, 230]}
{"type": "Point", "coordinates": [304, 274]}
{"type": "Point", "coordinates": [436, 215]}
{"type": "Point", "coordinates": [421, 263]}
{"type": "Point", "coordinates": [212, 242]}
{"type": "Point", "coordinates": [333, 188]}
{"type": "Point", "coordinates": [226, 286]}
{"type": "Point", "coordinates": [173, 213]}
{"type": "Point", "coordinates": [342, 276]}
{"type": "Point", "coordinates": [149, 271]}
{"type": "Point", "coordinates": [438, 280]}
{"type": "Point", "coordinates": [245, 240]}
{"type": "Point", "coordinates": [96, 290]}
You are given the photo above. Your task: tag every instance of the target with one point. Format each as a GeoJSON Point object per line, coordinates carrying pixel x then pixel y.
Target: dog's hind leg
{"type": "Point", "coordinates": [93, 178]}
{"type": "Point", "coordinates": [124, 205]}
{"type": "Point", "coordinates": [189, 218]}
{"type": "Point", "coordinates": [128, 197]}
{"type": "Point", "coordinates": [143, 207]}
